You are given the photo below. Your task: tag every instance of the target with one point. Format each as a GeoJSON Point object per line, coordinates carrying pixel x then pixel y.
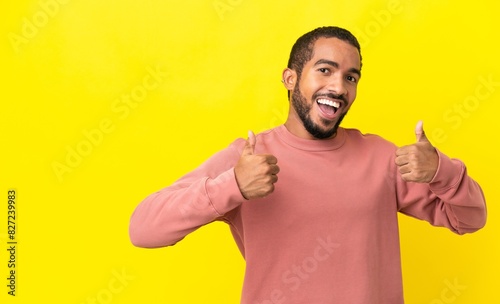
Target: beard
{"type": "Point", "coordinates": [303, 109]}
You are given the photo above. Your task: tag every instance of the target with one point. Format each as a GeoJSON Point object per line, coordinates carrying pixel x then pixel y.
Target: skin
{"type": "Point", "coordinates": [255, 173]}
{"type": "Point", "coordinates": [334, 70]}
{"type": "Point", "coordinates": [418, 162]}
{"type": "Point", "coordinates": [332, 73]}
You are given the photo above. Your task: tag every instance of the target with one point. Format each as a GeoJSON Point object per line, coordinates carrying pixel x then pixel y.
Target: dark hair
{"type": "Point", "coordinates": [302, 50]}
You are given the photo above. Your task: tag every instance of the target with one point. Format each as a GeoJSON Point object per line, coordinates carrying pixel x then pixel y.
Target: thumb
{"type": "Point", "coordinates": [419, 132]}
{"type": "Point", "coordinates": [250, 145]}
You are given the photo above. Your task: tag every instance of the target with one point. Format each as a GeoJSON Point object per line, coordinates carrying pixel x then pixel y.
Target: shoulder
{"type": "Point", "coordinates": [355, 136]}
{"type": "Point", "coordinates": [263, 140]}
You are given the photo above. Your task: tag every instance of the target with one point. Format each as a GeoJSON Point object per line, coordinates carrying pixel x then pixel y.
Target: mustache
{"type": "Point", "coordinates": [331, 96]}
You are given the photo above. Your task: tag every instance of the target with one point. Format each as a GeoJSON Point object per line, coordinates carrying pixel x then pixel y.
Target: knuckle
{"type": "Point", "coordinates": [269, 179]}
{"type": "Point", "coordinates": [263, 170]}
{"type": "Point", "coordinates": [259, 159]}
{"type": "Point", "coordinates": [270, 189]}
{"type": "Point", "coordinates": [267, 170]}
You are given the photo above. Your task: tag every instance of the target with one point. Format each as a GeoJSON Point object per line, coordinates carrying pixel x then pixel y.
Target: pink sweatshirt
{"type": "Point", "coordinates": [329, 231]}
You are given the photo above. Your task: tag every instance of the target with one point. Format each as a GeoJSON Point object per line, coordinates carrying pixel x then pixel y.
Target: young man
{"type": "Point", "coordinates": [326, 231]}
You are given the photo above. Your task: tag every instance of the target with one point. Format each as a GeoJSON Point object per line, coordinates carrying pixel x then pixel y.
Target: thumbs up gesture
{"type": "Point", "coordinates": [255, 173]}
{"type": "Point", "coordinates": [418, 162]}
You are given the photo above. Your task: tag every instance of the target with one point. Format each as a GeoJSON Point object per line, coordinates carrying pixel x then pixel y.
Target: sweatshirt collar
{"type": "Point", "coordinates": [312, 144]}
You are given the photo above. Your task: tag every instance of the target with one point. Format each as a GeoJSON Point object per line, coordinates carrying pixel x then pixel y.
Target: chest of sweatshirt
{"type": "Point", "coordinates": [344, 190]}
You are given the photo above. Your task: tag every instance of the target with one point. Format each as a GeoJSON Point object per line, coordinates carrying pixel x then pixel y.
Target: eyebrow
{"type": "Point", "coordinates": [336, 65]}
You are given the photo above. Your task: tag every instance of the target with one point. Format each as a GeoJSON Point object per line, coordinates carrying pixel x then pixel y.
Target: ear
{"type": "Point", "coordinates": [289, 78]}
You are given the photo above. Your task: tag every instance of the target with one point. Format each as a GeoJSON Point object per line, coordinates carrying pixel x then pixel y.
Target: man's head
{"type": "Point", "coordinates": [322, 75]}
{"type": "Point", "coordinates": [302, 50]}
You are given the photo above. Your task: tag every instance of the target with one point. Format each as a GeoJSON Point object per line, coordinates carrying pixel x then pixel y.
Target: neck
{"type": "Point", "coordinates": [295, 126]}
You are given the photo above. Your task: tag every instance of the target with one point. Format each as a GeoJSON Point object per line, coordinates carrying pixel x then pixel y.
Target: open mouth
{"type": "Point", "coordinates": [328, 107]}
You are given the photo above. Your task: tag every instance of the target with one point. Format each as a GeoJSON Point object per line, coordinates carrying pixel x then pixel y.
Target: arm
{"type": "Point", "coordinates": [196, 199]}
{"type": "Point", "coordinates": [218, 186]}
{"type": "Point", "coordinates": [435, 188]}
{"type": "Point", "coordinates": [452, 199]}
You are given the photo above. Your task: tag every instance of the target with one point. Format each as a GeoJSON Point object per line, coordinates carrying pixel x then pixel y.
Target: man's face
{"type": "Point", "coordinates": [326, 89]}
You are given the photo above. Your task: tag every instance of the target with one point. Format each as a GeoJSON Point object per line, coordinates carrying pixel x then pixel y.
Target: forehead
{"type": "Point", "coordinates": [336, 50]}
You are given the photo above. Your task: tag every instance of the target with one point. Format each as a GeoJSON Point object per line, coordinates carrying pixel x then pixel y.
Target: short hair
{"type": "Point", "coordinates": [302, 50]}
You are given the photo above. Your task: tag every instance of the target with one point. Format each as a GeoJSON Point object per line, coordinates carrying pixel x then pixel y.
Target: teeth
{"type": "Point", "coordinates": [330, 103]}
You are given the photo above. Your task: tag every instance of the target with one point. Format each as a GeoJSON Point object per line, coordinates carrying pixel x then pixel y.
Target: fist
{"type": "Point", "coordinates": [418, 162]}
{"type": "Point", "coordinates": [255, 173]}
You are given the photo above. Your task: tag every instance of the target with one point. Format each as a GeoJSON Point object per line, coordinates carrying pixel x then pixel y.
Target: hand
{"type": "Point", "coordinates": [255, 174]}
{"type": "Point", "coordinates": [418, 162]}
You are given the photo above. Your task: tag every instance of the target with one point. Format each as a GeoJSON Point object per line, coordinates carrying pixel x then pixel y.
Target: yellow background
{"type": "Point", "coordinates": [68, 67]}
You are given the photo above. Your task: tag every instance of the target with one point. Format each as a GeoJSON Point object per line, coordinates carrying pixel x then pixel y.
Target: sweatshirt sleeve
{"type": "Point", "coordinates": [198, 198]}
{"type": "Point", "coordinates": [452, 199]}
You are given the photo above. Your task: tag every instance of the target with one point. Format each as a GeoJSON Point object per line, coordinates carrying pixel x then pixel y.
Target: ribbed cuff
{"type": "Point", "coordinates": [448, 174]}
{"type": "Point", "coordinates": [223, 192]}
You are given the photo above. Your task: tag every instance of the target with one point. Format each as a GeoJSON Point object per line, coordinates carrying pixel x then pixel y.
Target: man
{"type": "Point", "coordinates": [326, 230]}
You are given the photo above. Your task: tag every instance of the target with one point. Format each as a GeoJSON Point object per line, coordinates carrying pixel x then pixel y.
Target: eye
{"type": "Point", "coordinates": [351, 78]}
{"type": "Point", "coordinates": [324, 70]}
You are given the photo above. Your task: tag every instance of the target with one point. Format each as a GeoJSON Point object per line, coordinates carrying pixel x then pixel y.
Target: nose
{"type": "Point", "coordinates": [336, 84]}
